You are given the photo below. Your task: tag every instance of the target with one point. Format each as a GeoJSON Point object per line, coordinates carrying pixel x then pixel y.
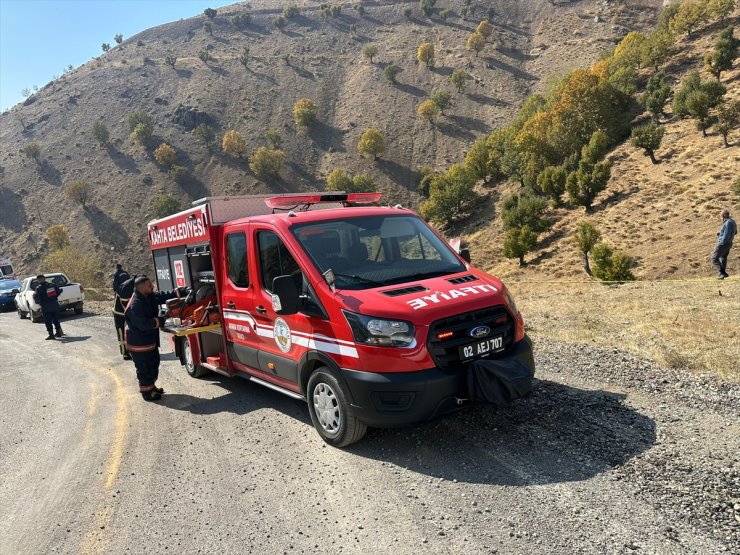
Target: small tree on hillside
{"type": "Point", "coordinates": [458, 78]}
{"type": "Point", "coordinates": [362, 183]}
{"type": "Point", "coordinates": [266, 162]}
{"type": "Point", "coordinates": [518, 242]}
{"type": "Point", "coordinates": [608, 266]}
{"type": "Point", "coordinates": [58, 236]}
{"type": "Point", "coordinates": [166, 155]}
{"type": "Point", "coordinates": [656, 95]}
{"type": "Point", "coordinates": [100, 133]}
{"type": "Point", "coordinates": [338, 180]}
{"type": "Point", "coordinates": [31, 150]}
{"type": "Point", "coordinates": [476, 160]}
{"type": "Point", "coordinates": [441, 99]}
{"type": "Point", "coordinates": [524, 210]}
{"type": "Point", "coordinates": [428, 110]}
{"type": "Point", "coordinates": [79, 191]}
{"type": "Point", "coordinates": [698, 106]}
{"type": "Point", "coordinates": [425, 54]}
{"type": "Point", "coordinates": [725, 51]}
{"type": "Point", "coordinates": [586, 236]}
{"type": "Point", "coordinates": [274, 138]}
{"type": "Point", "coordinates": [105, 46]}
{"type": "Point", "coordinates": [244, 57]}
{"type": "Point", "coordinates": [291, 10]}
{"type": "Point", "coordinates": [476, 42]}
{"type": "Point", "coordinates": [233, 143]}
{"type": "Point", "coordinates": [210, 13]}
{"type": "Point", "coordinates": [370, 51]}
{"type": "Point", "coordinates": [591, 176]}
{"type": "Point", "coordinates": [551, 182]}
{"type": "Point", "coordinates": [204, 56]}
{"type": "Point", "coordinates": [390, 71]}
{"type": "Point", "coordinates": [450, 195]}
{"type": "Point", "coordinates": [690, 15]}
{"type": "Point", "coordinates": [728, 117]}
{"type": "Point", "coordinates": [143, 135]}
{"type": "Point", "coordinates": [118, 38]}
{"type": "Point", "coordinates": [140, 117]}
{"type": "Point", "coordinates": [241, 20]}
{"type": "Point", "coordinates": [720, 9]}
{"type": "Point", "coordinates": [163, 206]}
{"type": "Point", "coordinates": [648, 137]}
{"type": "Point", "coordinates": [304, 112]}
{"type": "Point", "coordinates": [427, 6]}
{"type": "Point", "coordinates": [484, 29]}
{"type": "Point", "coordinates": [657, 49]}
{"type": "Point", "coordinates": [371, 143]}
{"type": "Point", "coordinates": [170, 61]}
{"type": "Point", "coordinates": [205, 133]}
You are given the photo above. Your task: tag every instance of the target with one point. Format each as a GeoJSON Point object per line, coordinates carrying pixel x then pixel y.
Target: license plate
{"type": "Point", "coordinates": [481, 348]}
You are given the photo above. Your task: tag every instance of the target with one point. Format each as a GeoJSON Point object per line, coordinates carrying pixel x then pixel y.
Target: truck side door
{"type": "Point", "coordinates": [237, 294]}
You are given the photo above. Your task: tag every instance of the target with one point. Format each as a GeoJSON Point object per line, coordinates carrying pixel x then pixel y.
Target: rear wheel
{"type": "Point", "coordinates": [194, 370]}
{"type": "Point", "coordinates": [22, 315]}
{"type": "Point", "coordinates": [331, 413]}
{"type": "Point", "coordinates": [78, 309]}
{"type": "Point", "coordinates": [35, 317]}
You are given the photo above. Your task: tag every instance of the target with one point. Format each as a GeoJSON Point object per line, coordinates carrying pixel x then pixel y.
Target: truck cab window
{"type": "Point", "coordinates": [236, 259]}
{"type": "Point", "coordinates": [276, 260]}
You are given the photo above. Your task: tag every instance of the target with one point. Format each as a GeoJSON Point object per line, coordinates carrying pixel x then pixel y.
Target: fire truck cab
{"type": "Point", "coordinates": [363, 311]}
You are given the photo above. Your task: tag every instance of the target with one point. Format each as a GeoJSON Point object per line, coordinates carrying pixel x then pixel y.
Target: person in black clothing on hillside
{"type": "Point", "coordinates": [142, 333]}
{"type": "Point", "coordinates": [47, 295]}
{"type": "Point", "coordinates": [119, 277]}
{"type": "Point", "coordinates": [123, 294]}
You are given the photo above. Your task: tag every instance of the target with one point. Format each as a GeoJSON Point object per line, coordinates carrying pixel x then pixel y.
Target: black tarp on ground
{"type": "Point", "coordinates": [499, 381]}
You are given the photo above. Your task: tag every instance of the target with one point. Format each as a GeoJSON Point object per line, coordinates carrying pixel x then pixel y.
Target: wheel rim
{"type": "Point", "coordinates": [189, 365]}
{"type": "Point", "coordinates": [326, 407]}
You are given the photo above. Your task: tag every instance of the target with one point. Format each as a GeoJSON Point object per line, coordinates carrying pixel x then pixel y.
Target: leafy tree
{"type": "Point", "coordinates": [656, 95]}
{"type": "Point", "coordinates": [170, 61]}
{"type": "Point", "coordinates": [179, 174]}
{"type": "Point", "coordinates": [608, 266]}
{"type": "Point", "coordinates": [205, 133]}
{"type": "Point", "coordinates": [728, 117]}
{"type": "Point", "coordinates": [458, 78]}
{"type": "Point", "coordinates": [524, 210]}
{"type": "Point", "coordinates": [657, 48]}
{"type": "Point", "coordinates": [370, 51]}
{"type": "Point", "coordinates": [244, 57]}
{"type": "Point", "coordinates": [648, 137]}
{"type": "Point", "coordinates": [291, 11]}
{"type": "Point", "coordinates": [274, 138]}
{"type": "Point", "coordinates": [105, 46]}
{"type": "Point", "coordinates": [698, 106]}
{"type": "Point", "coordinates": [450, 194]}
{"type": "Point", "coordinates": [338, 180]}
{"type": "Point", "coordinates": [484, 29]}
{"type": "Point", "coordinates": [691, 83]}
{"type": "Point", "coordinates": [100, 133]}
{"type": "Point", "coordinates": [372, 143]}
{"type": "Point", "coordinates": [118, 38]}
{"type": "Point", "coordinates": [204, 56]}
{"type": "Point", "coordinates": [208, 27]}
{"type": "Point", "coordinates": [362, 183]}
{"type": "Point", "coordinates": [233, 143]}
{"type": "Point", "coordinates": [551, 182]}
{"type": "Point", "coordinates": [163, 206]}
{"type": "Point", "coordinates": [428, 110]}
{"type": "Point", "coordinates": [210, 13]}
{"type": "Point", "coordinates": [586, 236]}
{"type": "Point", "coordinates": [390, 71]}
{"type": "Point", "coordinates": [165, 155]}
{"type": "Point", "coordinates": [266, 163]}
{"type": "Point", "coordinates": [444, 15]}
{"type": "Point", "coordinates": [79, 191]}
{"type": "Point", "coordinates": [476, 42]}
{"type": "Point", "coordinates": [476, 160]}
{"type": "Point", "coordinates": [304, 112]}
{"type": "Point", "coordinates": [58, 236]}
{"type": "Point", "coordinates": [77, 264]}
{"type": "Point", "coordinates": [630, 50]}
{"type": "Point", "coordinates": [241, 20]}
{"type": "Point", "coordinates": [591, 176]}
{"type": "Point", "coordinates": [720, 9]}
{"type": "Point", "coordinates": [425, 54]}
{"type": "Point", "coordinates": [518, 242]}
{"type": "Point", "coordinates": [690, 15]}
{"type": "Point", "coordinates": [725, 51]}
{"type": "Point", "coordinates": [142, 134]}
{"type": "Point", "coordinates": [427, 6]}
{"type": "Point", "coordinates": [441, 99]}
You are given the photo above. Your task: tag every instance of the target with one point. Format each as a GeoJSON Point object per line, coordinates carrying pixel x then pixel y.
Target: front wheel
{"type": "Point", "coordinates": [331, 414]}
{"type": "Point", "coordinates": [35, 317]}
{"type": "Point", "coordinates": [194, 370]}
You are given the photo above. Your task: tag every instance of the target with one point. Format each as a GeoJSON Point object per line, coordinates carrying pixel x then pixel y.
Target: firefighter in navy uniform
{"type": "Point", "coordinates": [47, 295]}
{"type": "Point", "coordinates": [119, 276]}
{"type": "Point", "coordinates": [123, 294]}
{"type": "Point", "coordinates": [142, 333]}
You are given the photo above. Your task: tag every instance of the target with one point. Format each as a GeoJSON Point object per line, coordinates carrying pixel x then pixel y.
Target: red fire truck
{"type": "Point", "coordinates": [363, 311]}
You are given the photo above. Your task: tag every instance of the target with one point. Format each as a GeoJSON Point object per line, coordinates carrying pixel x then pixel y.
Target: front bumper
{"type": "Point", "coordinates": [7, 302]}
{"type": "Point", "coordinates": [387, 400]}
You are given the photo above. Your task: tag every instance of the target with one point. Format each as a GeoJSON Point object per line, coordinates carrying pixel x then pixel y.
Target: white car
{"type": "Point", "coordinates": [72, 297]}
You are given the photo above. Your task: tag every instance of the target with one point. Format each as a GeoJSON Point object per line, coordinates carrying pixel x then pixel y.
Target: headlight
{"type": "Point", "coordinates": [510, 301]}
{"type": "Point", "coordinates": [369, 330]}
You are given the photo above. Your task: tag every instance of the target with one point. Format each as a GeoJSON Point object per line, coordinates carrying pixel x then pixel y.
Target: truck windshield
{"type": "Point", "coordinates": [374, 251]}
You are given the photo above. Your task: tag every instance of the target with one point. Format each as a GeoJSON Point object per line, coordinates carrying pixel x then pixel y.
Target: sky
{"type": "Point", "coordinates": [40, 38]}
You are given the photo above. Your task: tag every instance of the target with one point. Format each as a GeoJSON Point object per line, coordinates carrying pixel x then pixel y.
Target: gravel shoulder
{"type": "Point", "coordinates": [610, 454]}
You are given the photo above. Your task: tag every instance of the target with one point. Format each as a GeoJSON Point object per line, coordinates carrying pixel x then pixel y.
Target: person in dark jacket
{"type": "Point", "coordinates": [47, 295]}
{"type": "Point", "coordinates": [142, 334]}
{"type": "Point", "coordinates": [724, 243]}
{"type": "Point", "coordinates": [119, 277]}
{"type": "Point", "coordinates": [123, 294]}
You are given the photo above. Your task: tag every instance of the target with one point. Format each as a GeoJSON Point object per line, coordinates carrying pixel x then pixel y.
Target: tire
{"type": "Point", "coordinates": [22, 315]}
{"type": "Point", "coordinates": [194, 370]}
{"type": "Point", "coordinates": [36, 317]}
{"type": "Point", "coordinates": [78, 309]}
{"type": "Point", "coordinates": [331, 414]}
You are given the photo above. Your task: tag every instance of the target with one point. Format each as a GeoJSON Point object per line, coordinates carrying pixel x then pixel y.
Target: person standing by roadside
{"type": "Point", "coordinates": [123, 294]}
{"type": "Point", "coordinates": [119, 276]}
{"type": "Point", "coordinates": [724, 243]}
{"type": "Point", "coordinates": [47, 295]}
{"type": "Point", "coordinates": [142, 334]}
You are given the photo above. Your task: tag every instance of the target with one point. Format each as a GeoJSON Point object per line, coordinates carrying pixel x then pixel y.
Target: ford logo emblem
{"type": "Point", "coordinates": [480, 331]}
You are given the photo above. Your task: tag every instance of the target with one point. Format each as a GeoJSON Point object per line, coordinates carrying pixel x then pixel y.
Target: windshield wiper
{"type": "Point", "coordinates": [360, 279]}
{"type": "Point", "coordinates": [422, 275]}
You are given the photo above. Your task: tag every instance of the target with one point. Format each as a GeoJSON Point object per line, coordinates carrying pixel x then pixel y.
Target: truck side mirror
{"type": "Point", "coordinates": [465, 255]}
{"type": "Point", "coordinates": [285, 300]}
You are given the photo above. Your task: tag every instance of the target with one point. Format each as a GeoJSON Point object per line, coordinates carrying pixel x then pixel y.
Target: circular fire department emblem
{"type": "Point", "coordinates": [281, 331]}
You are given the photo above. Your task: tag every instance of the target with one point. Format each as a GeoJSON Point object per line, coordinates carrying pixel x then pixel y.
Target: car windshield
{"type": "Point", "coordinates": [374, 251]}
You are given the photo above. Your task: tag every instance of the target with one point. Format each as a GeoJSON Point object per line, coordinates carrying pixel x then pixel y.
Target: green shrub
{"type": "Point", "coordinates": [140, 117]}
{"type": "Point", "coordinates": [266, 163]}
{"type": "Point", "coordinates": [31, 150]}
{"type": "Point", "coordinates": [476, 42]}
{"type": "Point", "coordinates": [450, 195]}
{"type": "Point", "coordinates": [338, 180]}
{"type": "Point", "coordinates": [441, 99]}
{"type": "Point", "coordinates": [240, 20]}
{"type": "Point", "coordinates": [178, 174]}
{"type": "Point", "coordinates": [290, 11]}
{"type": "Point", "coordinates": [204, 56]}
{"type": "Point", "coordinates": [610, 266]}
{"type": "Point", "coordinates": [648, 137]}
{"type": "Point", "coordinates": [143, 134]}
{"type": "Point", "coordinates": [427, 7]}
{"type": "Point", "coordinates": [279, 22]}
{"type": "Point", "coordinates": [244, 57]}
{"type": "Point", "coordinates": [210, 13]}
{"type": "Point", "coordinates": [728, 116]}
{"type": "Point", "coordinates": [586, 237]}
{"type": "Point", "coordinates": [58, 236]}
{"type": "Point", "coordinates": [274, 138]}
{"type": "Point", "coordinates": [205, 133]}
{"type": "Point", "coordinates": [523, 210]}
{"type": "Point", "coordinates": [390, 71]}
{"type": "Point", "coordinates": [233, 143]}
{"type": "Point", "coordinates": [370, 51]}
{"type": "Point", "coordinates": [170, 61]}
{"type": "Point", "coordinates": [458, 78]}
{"type": "Point", "coordinates": [656, 95]}
{"type": "Point", "coordinates": [518, 242]}
{"type": "Point", "coordinates": [118, 38]}
{"type": "Point", "coordinates": [165, 155]}
{"type": "Point", "coordinates": [304, 112]}
{"type": "Point", "coordinates": [428, 110]}
{"type": "Point", "coordinates": [77, 264]}
{"type": "Point", "coordinates": [362, 183]}
{"type": "Point", "coordinates": [426, 175]}
{"type": "Point", "coordinates": [105, 46]}
{"type": "Point", "coordinates": [372, 143]}
{"type": "Point", "coordinates": [79, 191]}
{"type": "Point", "coordinates": [163, 206]}
{"type": "Point", "coordinates": [551, 182]}
{"type": "Point", "coordinates": [407, 12]}
{"type": "Point", "coordinates": [336, 10]}
{"type": "Point", "coordinates": [425, 54]}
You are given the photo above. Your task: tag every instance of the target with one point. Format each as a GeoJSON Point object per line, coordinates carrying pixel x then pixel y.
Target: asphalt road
{"type": "Point", "coordinates": [586, 465]}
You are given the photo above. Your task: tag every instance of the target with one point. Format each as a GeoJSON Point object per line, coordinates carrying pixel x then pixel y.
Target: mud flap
{"type": "Point", "coordinates": [499, 381]}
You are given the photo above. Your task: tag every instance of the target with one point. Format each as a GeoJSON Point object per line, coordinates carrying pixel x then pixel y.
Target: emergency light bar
{"type": "Point", "coordinates": [351, 199]}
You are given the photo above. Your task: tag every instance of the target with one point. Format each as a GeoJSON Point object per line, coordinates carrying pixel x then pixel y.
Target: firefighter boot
{"type": "Point", "coordinates": [151, 395]}
{"type": "Point", "coordinates": [60, 333]}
